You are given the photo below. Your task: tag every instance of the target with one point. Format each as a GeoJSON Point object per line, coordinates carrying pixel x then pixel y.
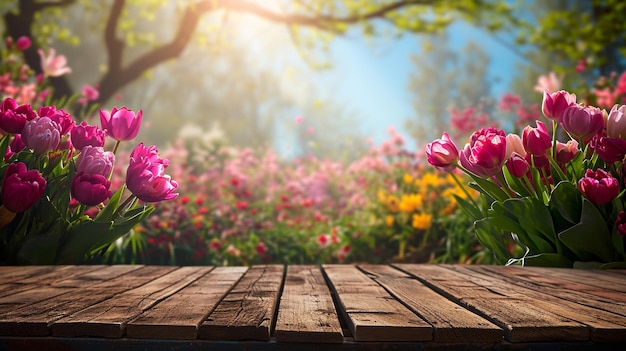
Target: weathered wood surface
{"type": "Point", "coordinates": [340, 306]}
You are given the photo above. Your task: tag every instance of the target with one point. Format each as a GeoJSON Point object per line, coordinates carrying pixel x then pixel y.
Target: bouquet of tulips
{"type": "Point", "coordinates": [558, 194]}
{"type": "Point", "coordinates": [57, 205]}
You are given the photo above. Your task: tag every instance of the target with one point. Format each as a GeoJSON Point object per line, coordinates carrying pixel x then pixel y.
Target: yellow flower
{"type": "Point", "coordinates": [431, 180]}
{"type": "Point", "coordinates": [408, 179]}
{"type": "Point", "coordinates": [422, 221]}
{"type": "Point", "coordinates": [392, 203]}
{"type": "Point", "coordinates": [381, 196]}
{"type": "Point", "coordinates": [411, 202]}
{"type": "Point", "coordinates": [389, 220]}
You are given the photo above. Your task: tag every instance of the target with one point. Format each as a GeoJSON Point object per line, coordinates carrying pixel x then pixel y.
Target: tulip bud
{"type": "Point", "coordinates": [121, 124]}
{"type": "Point", "coordinates": [581, 123]}
{"type": "Point", "coordinates": [566, 152]}
{"type": "Point", "coordinates": [517, 165]}
{"type": "Point", "coordinates": [21, 188]}
{"type": "Point", "coordinates": [42, 135]}
{"type": "Point", "coordinates": [94, 160]}
{"type": "Point", "coordinates": [554, 104]}
{"type": "Point", "coordinates": [514, 144]}
{"type": "Point", "coordinates": [22, 43]}
{"type": "Point", "coordinates": [620, 224]}
{"type": "Point", "coordinates": [442, 152]}
{"type": "Point", "coordinates": [616, 122]}
{"type": "Point", "coordinates": [609, 149]}
{"type": "Point", "coordinates": [83, 135]}
{"type": "Point", "coordinates": [62, 118]}
{"type": "Point", "coordinates": [536, 140]}
{"type": "Point", "coordinates": [90, 189]}
{"type": "Point", "coordinates": [599, 187]}
{"type": "Point", "coordinates": [13, 117]}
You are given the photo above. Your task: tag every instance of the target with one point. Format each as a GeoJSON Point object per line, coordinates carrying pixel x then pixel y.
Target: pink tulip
{"type": "Point", "coordinates": [90, 189]}
{"type": "Point", "coordinates": [581, 123]}
{"type": "Point", "coordinates": [599, 187]}
{"type": "Point", "coordinates": [616, 122]}
{"type": "Point", "coordinates": [53, 65]}
{"type": "Point", "coordinates": [146, 176]}
{"type": "Point", "coordinates": [536, 141]}
{"type": "Point", "coordinates": [13, 117]}
{"type": "Point", "coordinates": [517, 165]}
{"type": "Point", "coordinates": [41, 134]}
{"type": "Point", "coordinates": [94, 160]}
{"type": "Point", "coordinates": [62, 118]}
{"type": "Point", "coordinates": [121, 124]}
{"type": "Point", "coordinates": [22, 43]}
{"type": "Point", "coordinates": [620, 224]}
{"type": "Point", "coordinates": [21, 188]}
{"type": "Point", "coordinates": [566, 152]}
{"type": "Point", "coordinates": [83, 135]}
{"type": "Point", "coordinates": [442, 153]}
{"type": "Point", "coordinates": [89, 93]}
{"type": "Point", "coordinates": [554, 104]}
{"type": "Point", "coordinates": [609, 149]}
{"type": "Point", "coordinates": [514, 144]}
{"type": "Point", "coordinates": [485, 154]}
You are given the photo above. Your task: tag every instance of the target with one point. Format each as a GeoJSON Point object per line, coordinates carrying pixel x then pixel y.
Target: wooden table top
{"type": "Point", "coordinates": [334, 305]}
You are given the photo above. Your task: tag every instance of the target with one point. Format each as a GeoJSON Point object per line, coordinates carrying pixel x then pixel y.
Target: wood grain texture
{"type": "Point", "coordinates": [178, 316]}
{"type": "Point", "coordinates": [520, 316]}
{"type": "Point", "coordinates": [371, 312]}
{"type": "Point", "coordinates": [307, 313]}
{"type": "Point", "coordinates": [34, 319]}
{"type": "Point", "coordinates": [108, 318]}
{"type": "Point", "coordinates": [247, 312]}
{"type": "Point", "coordinates": [451, 322]}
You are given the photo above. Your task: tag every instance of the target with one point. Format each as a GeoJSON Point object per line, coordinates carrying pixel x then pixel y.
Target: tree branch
{"type": "Point", "coordinates": [114, 46]}
{"type": "Point", "coordinates": [38, 6]}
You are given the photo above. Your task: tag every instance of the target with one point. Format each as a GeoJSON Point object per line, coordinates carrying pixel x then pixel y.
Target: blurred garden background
{"type": "Point", "coordinates": [296, 128]}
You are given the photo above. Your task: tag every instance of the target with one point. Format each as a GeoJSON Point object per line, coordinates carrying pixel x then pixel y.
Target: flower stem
{"type": "Point", "coordinates": [458, 182]}
{"type": "Point", "coordinates": [555, 125]}
{"type": "Point", "coordinates": [117, 144]}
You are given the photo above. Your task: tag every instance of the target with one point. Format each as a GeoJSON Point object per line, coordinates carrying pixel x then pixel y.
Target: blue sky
{"type": "Point", "coordinates": [373, 80]}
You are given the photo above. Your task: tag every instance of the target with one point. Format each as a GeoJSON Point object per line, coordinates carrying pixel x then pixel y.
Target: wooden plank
{"type": "Point", "coordinates": [105, 273]}
{"type": "Point", "coordinates": [602, 318]}
{"type": "Point", "coordinates": [451, 322]}
{"type": "Point", "coordinates": [41, 276]}
{"type": "Point", "coordinates": [37, 287]}
{"type": "Point", "coordinates": [14, 273]}
{"type": "Point", "coordinates": [247, 312]}
{"type": "Point", "coordinates": [108, 318]}
{"type": "Point", "coordinates": [34, 319]}
{"type": "Point", "coordinates": [371, 312]}
{"type": "Point", "coordinates": [307, 313]}
{"type": "Point", "coordinates": [519, 315]}
{"type": "Point", "coordinates": [599, 278]}
{"type": "Point", "coordinates": [179, 316]}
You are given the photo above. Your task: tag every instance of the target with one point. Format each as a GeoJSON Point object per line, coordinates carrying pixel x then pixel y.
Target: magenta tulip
{"type": "Point", "coordinates": [62, 118]}
{"type": "Point", "coordinates": [620, 224]}
{"type": "Point", "coordinates": [554, 104]}
{"type": "Point", "coordinates": [86, 135]}
{"type": "Point", "coordinates": [609, 149]}
{"type": "Point", "coordinates": [121, 124]}
{"type": "Point", "coordinates": [581, 123]}
{"type": "Point", "coordinates": [41, 135]}
{"type": "Point", "coordinates": [536, 141]}
{"type": "Point", "coordinates": [13, 117]}
{"type": "Point", "coordinates": [517, 165]}
{"type": "Point", "coordinates": [566, 152]}
{"type": "Point", "coordinates": [442, 153]}
{"type": "Point", "coordinates": [616, 122]}
{"type": "Point", "coordinates": [90, 189]}
{"type": "Point", "coordinates": [22, 43]}
{"type": "Point", "coordinates": [599, 187]}
{"type": "Point", "coordinates": [21, 188]}
{"type": "Point", "coordinates": [94, 160]}
{"type": "Point", "coordinates": [146, 176]}
{"type": "Point", "coordinates": [485, 154]}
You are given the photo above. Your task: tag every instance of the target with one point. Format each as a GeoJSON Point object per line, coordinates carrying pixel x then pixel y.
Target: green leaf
{"type": "Point", "coordinates": [590, 239]}
{"type": "Point", "coordinates": [491, 237]}
{"type": "Point", "coordinates": [491, 189]}
{"type": "Point", "coordinates": [41, 248]}
{"type": "Point", "coordinates": [106, 214]}
{"type": "Point", "coordinates": [469, 209]}
{"type": "Point", "coordinates": [566, 199]}
{"type": "Point", "coordinates": [534, 218]}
